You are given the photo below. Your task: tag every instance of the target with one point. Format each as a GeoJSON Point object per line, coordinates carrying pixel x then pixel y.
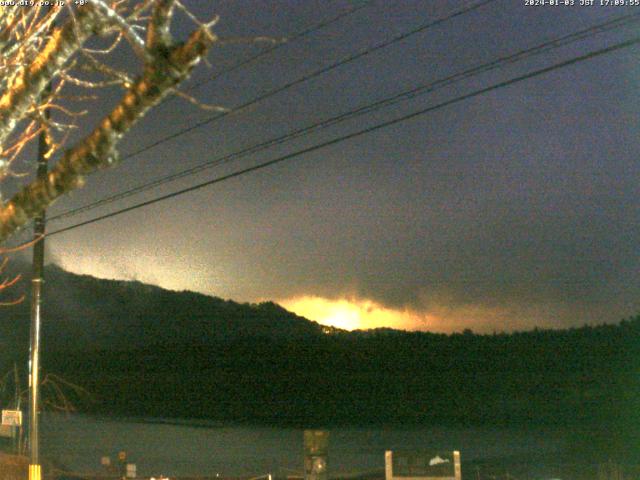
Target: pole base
{"type": "Point", "coordinates": [35, 473]}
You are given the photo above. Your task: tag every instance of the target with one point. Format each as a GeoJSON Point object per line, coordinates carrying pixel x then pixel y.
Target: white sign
{"type": "Point", "coordinates": [131, 470]}
{"type": "Point", "coordinates": [12, 418]}
{"type": "Point", "coordinates": [437, 460]}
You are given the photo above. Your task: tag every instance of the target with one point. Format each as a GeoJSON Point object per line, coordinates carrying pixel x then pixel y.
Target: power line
{"type": "Point", "coordinates": [314, 74]}
{"type": "Point", "coordinates": [388, 101]}
{"type": "Point", "coordinates": [358, 133]}
{"type": "Point", "coordinates": [288, 41]}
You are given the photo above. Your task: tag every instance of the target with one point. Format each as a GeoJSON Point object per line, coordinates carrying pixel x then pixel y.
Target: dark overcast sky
{"type": "Point", "coordinates": [514, 209]}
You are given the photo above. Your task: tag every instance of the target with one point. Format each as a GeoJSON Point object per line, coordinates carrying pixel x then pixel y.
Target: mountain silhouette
{"type": "Point", "coordinates": [145, 351]}
{"type": "Point", "coordinates": [87, 313]}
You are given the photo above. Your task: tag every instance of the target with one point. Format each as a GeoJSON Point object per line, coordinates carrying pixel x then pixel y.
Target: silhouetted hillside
{"type": "Point", "coordinates": [83, 312]}
{"type": "Point", "coordinates": [145, 351]}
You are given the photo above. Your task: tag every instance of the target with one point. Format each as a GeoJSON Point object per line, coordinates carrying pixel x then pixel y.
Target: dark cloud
{"type": "Point", "coordinates": [514, 209]}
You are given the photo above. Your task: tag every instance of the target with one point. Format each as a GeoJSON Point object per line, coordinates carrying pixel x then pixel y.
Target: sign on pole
{"type": "Point", "coordinates": [12, 418]}
{"type": "Point", "coordinates": [316, 447]}
{"type": "Point", "coordinates": [416, 465]}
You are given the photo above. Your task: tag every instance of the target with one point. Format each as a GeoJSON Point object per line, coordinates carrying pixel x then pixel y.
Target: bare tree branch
{"type": "Point", "coordinates": [29, 84]}
{"type": "Point", "coordinates": [167, 67]}
{"type": "Point", "coordinates": [112, 17]}
{"type": "Point", "coordinates": [158, 33]}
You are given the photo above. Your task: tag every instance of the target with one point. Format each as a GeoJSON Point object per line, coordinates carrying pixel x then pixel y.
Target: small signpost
{"type": "Point", "coordinates": [11, 423]}
{"type": "Point", "coordinates": [316, 449]}
{"type": "Point", "coordinates": [422, 466]}
{"type": "Point", "coordinates": [11, 418]}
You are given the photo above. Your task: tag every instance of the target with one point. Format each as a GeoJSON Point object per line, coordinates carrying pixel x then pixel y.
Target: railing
{"type": "Point", "coordinates": [548, 470]}
{"type": "Point", "coordinates": [480, 470]}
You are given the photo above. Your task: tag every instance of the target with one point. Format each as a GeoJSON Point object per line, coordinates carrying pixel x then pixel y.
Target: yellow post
{"type": "Point", "coordinates": [35, 472]}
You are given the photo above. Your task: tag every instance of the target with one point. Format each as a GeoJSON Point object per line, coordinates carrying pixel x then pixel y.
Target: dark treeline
{"type": "Point", "coordinates": [543, 377]}
{"type": "Point", "coordinates": [144, 351]}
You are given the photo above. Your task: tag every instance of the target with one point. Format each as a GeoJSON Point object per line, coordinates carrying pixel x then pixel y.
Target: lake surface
{"type": "Point", "coordinates": [186, 449]}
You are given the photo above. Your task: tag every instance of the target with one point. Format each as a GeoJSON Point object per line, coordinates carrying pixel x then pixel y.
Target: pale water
{"type": "Point", "coordinates": [79, 442]}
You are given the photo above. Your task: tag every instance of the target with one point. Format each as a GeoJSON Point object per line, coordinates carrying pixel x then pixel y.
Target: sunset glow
{"type": "Point", "coordinates": [352, 314]}
{"type": "Point", "coordinates": [442, 316]}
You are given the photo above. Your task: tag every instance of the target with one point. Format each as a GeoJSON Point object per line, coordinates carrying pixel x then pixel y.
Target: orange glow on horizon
{"type": "Point", "coordinates": [353, 314]}
{"type": "Point", "coordinates": [443, 316]}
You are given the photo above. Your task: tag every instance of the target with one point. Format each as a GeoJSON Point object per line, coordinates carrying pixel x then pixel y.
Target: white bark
{"type": "Point", "coordinates": [166, 65]}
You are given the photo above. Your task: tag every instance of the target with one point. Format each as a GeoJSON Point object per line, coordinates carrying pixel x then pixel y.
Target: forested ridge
{"type": "Point", "coordinates": [145, 351]}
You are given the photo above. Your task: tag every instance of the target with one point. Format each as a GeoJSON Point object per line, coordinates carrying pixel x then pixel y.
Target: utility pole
{"type": "Point", "coordinates": [33, 434]}
{"type": "Point", "coordinates": [35, 471]}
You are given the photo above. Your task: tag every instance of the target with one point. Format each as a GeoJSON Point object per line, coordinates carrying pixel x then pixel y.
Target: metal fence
{"type": "Point", "coordinates": [480, 470]}
{"type": "Point", "coordinates": [549, 471]}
